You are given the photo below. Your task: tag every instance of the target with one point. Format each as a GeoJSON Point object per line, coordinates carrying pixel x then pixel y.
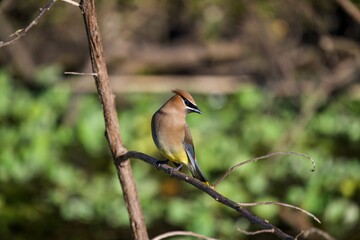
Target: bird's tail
{"type": "Point", "coordinates": [196, 171]}
{"type": "Point", "coordinates": [194, 167]}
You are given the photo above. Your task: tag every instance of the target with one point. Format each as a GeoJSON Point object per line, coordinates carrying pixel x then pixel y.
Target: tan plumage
{"type": "Point", "coordinates": [171, 133]}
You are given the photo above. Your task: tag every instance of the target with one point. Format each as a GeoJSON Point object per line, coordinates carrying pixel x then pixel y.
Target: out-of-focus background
{"type": "Point", "coordinates": [268, 76]}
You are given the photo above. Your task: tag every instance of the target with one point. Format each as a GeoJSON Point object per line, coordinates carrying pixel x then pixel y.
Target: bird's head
{"type": "Point", "coordinates": [183, 100]}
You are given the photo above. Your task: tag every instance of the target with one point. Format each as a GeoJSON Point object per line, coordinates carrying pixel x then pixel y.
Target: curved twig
{"type": "Point", "coordinates": [181, 233]}
{"type": "Point", "coordinates": [281, 204]}
{"type": "Point", "coordinates": [262, 157]}
{"type": "Point", "coordinates": [317, 231]}
{"type": "Point", "coordinates": [76, 4]}
{"type": "Point", "coordinates": [256, 232]}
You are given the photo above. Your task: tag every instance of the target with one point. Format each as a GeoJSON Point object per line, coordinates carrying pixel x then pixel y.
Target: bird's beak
{"type": "Point", "coordinates": [196, 110]}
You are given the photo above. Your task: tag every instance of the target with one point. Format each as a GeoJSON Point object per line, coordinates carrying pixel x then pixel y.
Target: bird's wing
{"type": "Point", "coordinates": [188, 143]}
{"type": "Point", "coordinates": [190, 152]}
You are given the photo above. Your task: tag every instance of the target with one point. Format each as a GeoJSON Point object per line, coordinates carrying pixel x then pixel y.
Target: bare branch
{"type": "Point", "coordinates": [263, 157]}
{"type": "Point", "coordinates": [72, 2]}
{"type": "Point", "coordinates": [280, 204]}
{"type": "Point", "coordinates": [80, 74]}
{"type": "Point", "coordinates": [312, 231]}
{"type": "Point", "coordinates": [21, 32]}
{"type": "Point", "coordinates": [182, 233]}
{"type": "Point", "coordinates": [264, 224]}
{"type": "Point", "coordinates": [256, 232]}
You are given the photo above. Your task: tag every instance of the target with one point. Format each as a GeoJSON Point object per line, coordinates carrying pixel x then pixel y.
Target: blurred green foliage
{"type": "Point", "coordinates": [56, 174]}
{"type": "Point", "coordinates": [55, 167]}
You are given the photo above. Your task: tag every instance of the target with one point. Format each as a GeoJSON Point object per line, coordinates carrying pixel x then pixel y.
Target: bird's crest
{"type": "Point", "coordinates": [185, 95]}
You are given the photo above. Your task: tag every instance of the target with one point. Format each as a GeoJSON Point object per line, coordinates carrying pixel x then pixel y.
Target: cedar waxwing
{"type": "Point", "coordinates": [172, 135]}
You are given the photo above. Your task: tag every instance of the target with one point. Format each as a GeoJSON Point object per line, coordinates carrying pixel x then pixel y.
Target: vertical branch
{"type": "Point", "coordinates": [112, 130]}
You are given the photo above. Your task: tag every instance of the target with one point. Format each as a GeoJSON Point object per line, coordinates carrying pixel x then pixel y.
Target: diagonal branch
{"type": "Point", "coordinates": [350, 8]}
{"type": "Point", "coordinates": [21, 32]}
{"type": "Point", "coordinates": [264, 224]}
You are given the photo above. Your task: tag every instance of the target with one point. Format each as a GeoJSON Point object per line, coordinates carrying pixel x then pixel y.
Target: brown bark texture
{"type": "Point", "coordinates": [112, 129]}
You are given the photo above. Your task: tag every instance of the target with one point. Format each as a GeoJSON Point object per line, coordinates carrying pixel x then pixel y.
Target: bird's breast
{"type": "Point", "coordinates": [168, 135]}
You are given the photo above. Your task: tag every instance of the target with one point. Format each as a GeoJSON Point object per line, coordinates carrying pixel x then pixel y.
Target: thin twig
{"type": "Point", "coordinates": [263, 157]}
{"type": "Point", "coordinates": [256, 232]}
{"type": "Point", "coordinates": [281, 204]}
{"type": "Point", "coordinates": [311, 231]}
{"type": "Point", "coordinates": [80, 74]}
{"type": "Point", "coordinates": [299, 235]}
{"type": "Point", "coordinates": [182, 233]}
{"type": "Point", "coordinates": [72, 2]}
{"type": "Point", "coordinates": [21, 32]}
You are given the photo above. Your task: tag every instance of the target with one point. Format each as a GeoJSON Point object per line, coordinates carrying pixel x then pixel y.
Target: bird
{"type": "Point", "coordinates": [171, 134]}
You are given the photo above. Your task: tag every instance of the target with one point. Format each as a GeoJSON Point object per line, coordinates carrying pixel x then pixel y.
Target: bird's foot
{"type": "Point", "coordinates": [177, 168]}
{"type": "Point", "coordinates": [159, 163]}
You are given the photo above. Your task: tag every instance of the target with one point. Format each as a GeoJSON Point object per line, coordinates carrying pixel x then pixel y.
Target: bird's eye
{"type": "Point", "coordinates": [187, 103]}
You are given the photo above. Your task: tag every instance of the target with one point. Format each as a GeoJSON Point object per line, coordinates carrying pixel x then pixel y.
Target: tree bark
{"type": "Point", "coordinates": [112, 129]}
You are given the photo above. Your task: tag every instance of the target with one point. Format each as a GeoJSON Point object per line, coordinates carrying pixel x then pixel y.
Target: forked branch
{"type": "Point", "coordinates": [22, 32]}
{"type": "Point", "coordinates": [262, 223]}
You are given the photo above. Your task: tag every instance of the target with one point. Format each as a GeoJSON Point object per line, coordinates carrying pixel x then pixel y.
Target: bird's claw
{"type": "Point", "coordinates": [178, 168]}
{"type": "Point", "coordinates": [171, 170]}
{"type": "Point", "coordinates": [159, 163]}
